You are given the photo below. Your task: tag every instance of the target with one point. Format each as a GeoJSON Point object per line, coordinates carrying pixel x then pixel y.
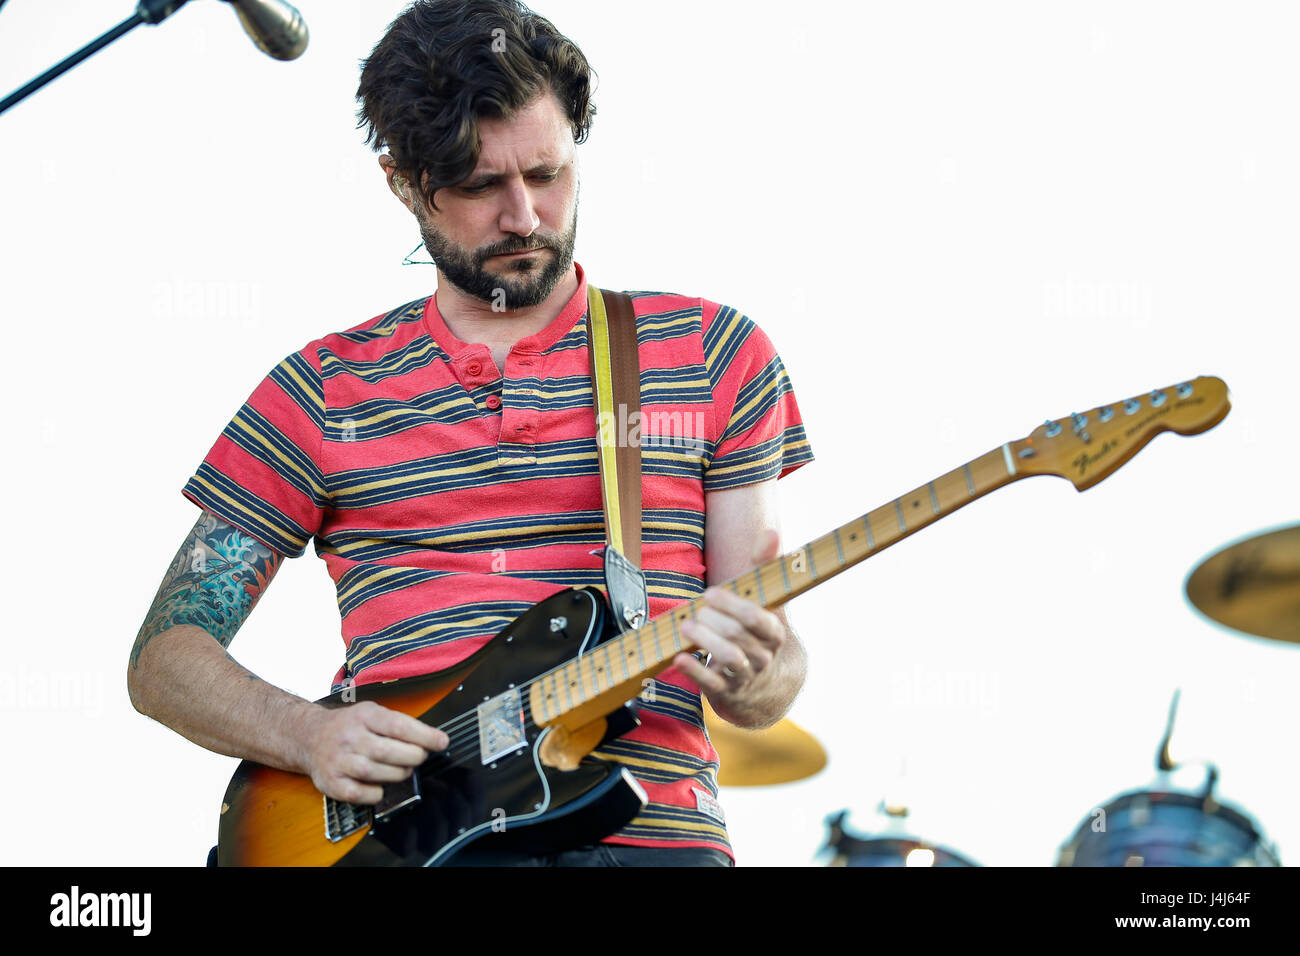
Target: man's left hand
{"type": "Point", "coordinates": [745, 642]}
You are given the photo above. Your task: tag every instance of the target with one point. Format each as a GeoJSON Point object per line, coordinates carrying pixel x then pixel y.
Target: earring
{"type": "Point", "coordinates": [408, 261]}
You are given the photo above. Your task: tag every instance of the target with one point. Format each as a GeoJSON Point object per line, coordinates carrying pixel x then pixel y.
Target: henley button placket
{"type": "Point", "coordinates": [519, 422]}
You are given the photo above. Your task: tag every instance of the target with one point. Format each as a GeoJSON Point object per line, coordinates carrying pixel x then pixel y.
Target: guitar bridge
{"type": "Point", "coordinates": [343, 819]}
{"type": "Point", "coordinates": [501, 726]}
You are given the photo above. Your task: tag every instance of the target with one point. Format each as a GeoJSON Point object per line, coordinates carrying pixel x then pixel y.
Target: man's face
{"type": "Point", "coordinates": [522, 195]}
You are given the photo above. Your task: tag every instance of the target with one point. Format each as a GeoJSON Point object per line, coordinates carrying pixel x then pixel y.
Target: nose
{"type": "Point", "coordinates": [518, 214]}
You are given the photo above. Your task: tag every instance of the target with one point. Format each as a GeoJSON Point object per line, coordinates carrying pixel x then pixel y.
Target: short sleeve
{"type": "Point", "coordinates": [760, 432]}
{"type": "Point", "coordinates": [263, 475]}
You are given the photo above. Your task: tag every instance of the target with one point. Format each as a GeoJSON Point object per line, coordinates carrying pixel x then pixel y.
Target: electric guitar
{"type": "Point", "coordinates": [524, 711]}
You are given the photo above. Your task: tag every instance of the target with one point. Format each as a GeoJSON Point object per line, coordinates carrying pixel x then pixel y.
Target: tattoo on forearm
{"type": "Point", "coordinates": [213, 583]}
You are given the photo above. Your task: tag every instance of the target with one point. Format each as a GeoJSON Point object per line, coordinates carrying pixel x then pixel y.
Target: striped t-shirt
{"type": "Point", "coordinates": [446, 499]}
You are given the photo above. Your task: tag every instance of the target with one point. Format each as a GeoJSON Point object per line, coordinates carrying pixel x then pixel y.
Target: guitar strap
{"type": "Point", "coordinates": [616, 385]}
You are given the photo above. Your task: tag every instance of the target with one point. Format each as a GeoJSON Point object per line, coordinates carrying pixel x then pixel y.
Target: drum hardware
{"type": "Point", "coordinates": [1168, 826]}
{"type": "Point", "coordinates": [893, 847]}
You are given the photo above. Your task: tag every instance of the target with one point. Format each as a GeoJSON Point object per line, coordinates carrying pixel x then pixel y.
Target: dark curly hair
{"type": "Point", "coordinates": [443, 64]}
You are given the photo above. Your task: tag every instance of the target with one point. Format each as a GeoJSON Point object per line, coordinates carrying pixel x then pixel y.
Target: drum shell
{"type": "Point", "coordinates": [1159, 828]}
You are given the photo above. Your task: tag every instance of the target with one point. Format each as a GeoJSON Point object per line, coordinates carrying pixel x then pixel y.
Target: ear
{"type": "Point", "coordinates": [396, 181]}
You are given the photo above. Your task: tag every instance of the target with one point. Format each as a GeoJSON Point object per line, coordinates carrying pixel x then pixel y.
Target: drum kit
{"type": "Point", "coordinates": [1252, 585]}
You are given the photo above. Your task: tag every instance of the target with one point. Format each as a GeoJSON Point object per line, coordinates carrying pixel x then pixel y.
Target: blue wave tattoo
{"type": "Point", "coordinates": [213, 582]}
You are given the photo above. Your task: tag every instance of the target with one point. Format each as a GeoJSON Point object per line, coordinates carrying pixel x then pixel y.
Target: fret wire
{"type": "Point", "coordinates": [677, 641]}
{"type": "Point", "coordinates": [839, 547]}
{"type": "Point", "coordinates": [785, 574]}
{"type": "Point", "coordinates": [627, 675]}
{"type": "Point", "coordinates": [934, 500]}
{"type": "Point", "coordinates": [970, 485]}
{"type": "Point", "coordinates": [758, 581]}
{"type": "Point", "coordinates": [609, 663]}
{"type": "Point", "coordinates": [583, 666]}
{"type": "Point", "coordinates": [898, 506]}
{"type": "Point", "coordinates": [866, 523]}
{"type": "Point", "coordinates": [812, 565]}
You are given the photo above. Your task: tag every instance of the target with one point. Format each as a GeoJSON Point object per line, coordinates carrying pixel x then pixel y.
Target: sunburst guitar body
{"type": "Point", "coordinates": [492, 783]}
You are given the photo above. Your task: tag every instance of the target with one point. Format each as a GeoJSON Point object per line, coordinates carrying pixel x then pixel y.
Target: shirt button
{"type": "Point", "coordinates": [493, 402]}
{"type": "Point", "coordinates": [474, 368]}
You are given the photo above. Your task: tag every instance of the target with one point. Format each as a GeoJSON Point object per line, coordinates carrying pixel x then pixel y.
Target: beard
{"type": "Point", "coordinates": [522, 283]}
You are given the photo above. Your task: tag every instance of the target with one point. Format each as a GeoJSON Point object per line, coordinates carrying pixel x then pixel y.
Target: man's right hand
{"type": "Point", "coordinates": [351, 750]}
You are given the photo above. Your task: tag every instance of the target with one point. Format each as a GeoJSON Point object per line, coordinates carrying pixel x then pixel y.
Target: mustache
{"type": "Point", "coordinates": [505, 248]}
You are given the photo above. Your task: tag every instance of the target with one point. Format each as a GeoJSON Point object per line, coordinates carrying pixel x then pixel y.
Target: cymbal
{"type": "Point", "coordinates": [781, 753]}
{"type": "Point", "coordinates": [1253, 585]}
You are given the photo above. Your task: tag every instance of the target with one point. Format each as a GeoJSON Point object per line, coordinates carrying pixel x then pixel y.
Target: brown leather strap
{"type": "Point", "coordinates": [625, 367]}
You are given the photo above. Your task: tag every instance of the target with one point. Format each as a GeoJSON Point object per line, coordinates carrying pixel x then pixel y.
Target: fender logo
{"type": "Point", "coordinates": [1086, 461]}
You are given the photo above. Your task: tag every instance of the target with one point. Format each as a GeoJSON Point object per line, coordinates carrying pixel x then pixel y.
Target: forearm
{"type": "Point", "coordinates": [185, 679]}
{"type": "Point", "coordinates": [180, 673]}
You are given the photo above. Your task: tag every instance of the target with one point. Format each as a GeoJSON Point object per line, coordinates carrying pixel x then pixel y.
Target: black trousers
{"type": "Point", "coordinates": [602, 854]}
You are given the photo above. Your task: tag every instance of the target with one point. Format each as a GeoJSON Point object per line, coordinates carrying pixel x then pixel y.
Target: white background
{"type": "Point", "coordinates": [955, 220]}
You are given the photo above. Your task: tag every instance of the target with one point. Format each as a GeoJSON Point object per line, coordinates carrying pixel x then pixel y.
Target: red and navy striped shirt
{"type": "Point", "coordinates": [447, 497]}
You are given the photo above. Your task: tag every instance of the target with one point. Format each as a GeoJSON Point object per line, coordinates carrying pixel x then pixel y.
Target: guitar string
{"type": "Point", "coordinates": [462, 730]}
{"type": "Point", "coordinates": [462, 727]}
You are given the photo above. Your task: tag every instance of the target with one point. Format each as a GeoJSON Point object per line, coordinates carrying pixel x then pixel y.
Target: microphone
{"type": "Point", "coordinates": [277, 28]}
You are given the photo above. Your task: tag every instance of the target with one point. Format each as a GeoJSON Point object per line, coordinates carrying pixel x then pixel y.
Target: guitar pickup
{"type": "Point", "coordinates": [398, 796]}
{"type": "Point", "coordinates": [501, 726]}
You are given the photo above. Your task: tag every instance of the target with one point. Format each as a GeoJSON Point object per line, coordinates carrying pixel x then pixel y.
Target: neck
{"type": "Point", "coordinates": [474, 321]}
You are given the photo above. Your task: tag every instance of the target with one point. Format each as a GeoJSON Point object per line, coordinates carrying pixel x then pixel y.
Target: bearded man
{"type": "Point", "coordinates": [443, 458]}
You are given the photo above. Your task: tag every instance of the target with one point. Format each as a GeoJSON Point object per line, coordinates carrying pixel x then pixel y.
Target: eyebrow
{"type": "Point", "coordinates": [488, 179]}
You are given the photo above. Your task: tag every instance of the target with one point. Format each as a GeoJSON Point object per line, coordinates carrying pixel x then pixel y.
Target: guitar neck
{"type": "Point", "coordinates": [618, 670]}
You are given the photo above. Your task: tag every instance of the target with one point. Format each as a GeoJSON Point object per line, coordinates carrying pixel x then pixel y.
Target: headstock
{"type": "Point", "coordinates": [1086, 447]}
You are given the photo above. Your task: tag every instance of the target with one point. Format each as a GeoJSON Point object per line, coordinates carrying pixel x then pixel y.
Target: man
{"type": "Point", "coordinates": [443, 457]}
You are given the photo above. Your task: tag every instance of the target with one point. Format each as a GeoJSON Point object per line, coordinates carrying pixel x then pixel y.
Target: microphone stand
{"type": "Point", "coordinates": [151, 12]}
